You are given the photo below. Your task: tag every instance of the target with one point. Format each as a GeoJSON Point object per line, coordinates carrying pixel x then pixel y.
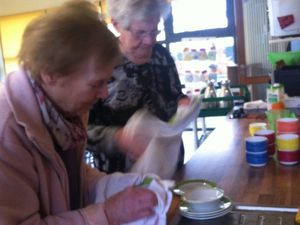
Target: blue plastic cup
{"type": "Point", "coordinates": [257, 159]}
{"type": "Point", "coordinates": [256, 144]}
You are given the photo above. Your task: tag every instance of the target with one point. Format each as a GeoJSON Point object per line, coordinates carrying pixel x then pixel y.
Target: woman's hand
{"type": "Point", "coordinates": [129, 205]}
{"type": "Point", "coordinates": [133, 148]}
{"type": "Point", "coordinates": [184, 101]}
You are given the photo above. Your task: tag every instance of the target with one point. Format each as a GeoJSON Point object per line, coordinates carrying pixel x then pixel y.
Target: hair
{"type": "Point", "coordinates": [124, 11]}
{"type": "Point", "coordinates": [61, 41]}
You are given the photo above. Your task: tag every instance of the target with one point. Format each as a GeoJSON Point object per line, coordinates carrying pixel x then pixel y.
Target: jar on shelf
{"type": "Point", "coordinates": [188, 76]}
{"type": "Point", "coordinates": [202, 54]}
{"type": "Point", "coordinates": [195, 54]}
{"type": "Point", "coordinates": [212, 53]}
{"type": "Point", "coordinates": [187, 54]}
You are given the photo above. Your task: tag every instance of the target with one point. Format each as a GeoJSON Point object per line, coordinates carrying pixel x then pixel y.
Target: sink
{"type": "Point", "coordinates": [263, 215]}
{"type": "Point", "coordinates": [249, 215]}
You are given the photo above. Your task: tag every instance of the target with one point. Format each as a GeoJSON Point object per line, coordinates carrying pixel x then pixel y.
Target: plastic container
{"type": "Point", "coordinates": [275, 96]}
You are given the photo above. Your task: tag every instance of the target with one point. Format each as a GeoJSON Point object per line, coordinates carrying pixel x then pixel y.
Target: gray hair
{"type": "Point", "coordinates": [124, 11]}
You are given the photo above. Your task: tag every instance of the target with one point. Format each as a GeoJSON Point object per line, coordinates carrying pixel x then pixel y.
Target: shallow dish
{"type": "Point", "coordinates": [224, 207]}
{"type": "Point", "coordinates": [204, 199]}
{"type": "Point", "coordinates": [188, 185]}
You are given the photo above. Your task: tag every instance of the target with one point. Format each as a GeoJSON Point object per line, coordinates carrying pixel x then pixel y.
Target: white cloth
{"type": "Point", "coordinates": [120, 181]}
{"type": "Point", "coordinates": [164, 197]}
{"type": "Point", "coordinates": [161, 155]}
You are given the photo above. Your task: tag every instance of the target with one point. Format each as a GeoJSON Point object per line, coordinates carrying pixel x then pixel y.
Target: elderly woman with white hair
{"type": "Point", "coordinates": [145, 78]}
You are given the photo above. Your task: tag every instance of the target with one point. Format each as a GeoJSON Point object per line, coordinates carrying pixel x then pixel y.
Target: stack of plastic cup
{"type": "Point", "coordinates": [288, 149]}
{"type": "Point", "coordinates": [288, 141]}
{"type": "Point", "coordinates": [256, 151]}
{"type": "Point", "coordinates": [270, 135]}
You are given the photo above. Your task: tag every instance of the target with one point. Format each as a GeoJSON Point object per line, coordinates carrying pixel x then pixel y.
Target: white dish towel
{"type": "Point", "coordinates": [164, 197]}
{"type": "Point", "coordinates": [161, 155]}
{"type": "Point", "coordinates": [108, 186]}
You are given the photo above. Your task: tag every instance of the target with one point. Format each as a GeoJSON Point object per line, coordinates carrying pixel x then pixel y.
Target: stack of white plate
{"type": "Point", "coordinates": [202, 200]}
{"type": "Point", "coordinates": [224, 208]}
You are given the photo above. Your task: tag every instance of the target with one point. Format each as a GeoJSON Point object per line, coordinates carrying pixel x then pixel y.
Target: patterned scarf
{"type": "Point", "coordinates": [68, 135]}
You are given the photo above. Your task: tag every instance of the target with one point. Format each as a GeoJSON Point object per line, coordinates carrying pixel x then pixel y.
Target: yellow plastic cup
{"type": "Point", "coordinates": [287, 142]}
{"type": "Point", "coordinates": [253, 127]}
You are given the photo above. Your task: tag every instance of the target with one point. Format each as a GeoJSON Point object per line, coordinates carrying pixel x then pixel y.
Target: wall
{"type": "Point", "coordinates": [11, 7]}
{"type": "Point", "coordinates": [257, 42]}
{"type": "Point", "coordinates": [14, 17]}
{"type": "Point", "coordinates": [12, 28]}
{"type": "Point", "coordinates": [1, 64]}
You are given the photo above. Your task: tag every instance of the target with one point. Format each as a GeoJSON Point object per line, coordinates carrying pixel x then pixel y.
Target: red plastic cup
{"type": "Point", "coordinates": [269, 134]}
{"type": "Point", "coordinates": [288, 157]}
{"type": "Point", "coordinates": [287, 125]}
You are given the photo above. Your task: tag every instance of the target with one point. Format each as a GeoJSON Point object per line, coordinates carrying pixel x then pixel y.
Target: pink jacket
{"type": "Point", "coordinates": [33, 178]}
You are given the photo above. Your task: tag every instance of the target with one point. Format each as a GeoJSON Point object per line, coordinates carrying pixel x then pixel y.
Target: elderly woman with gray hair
{"type": "Point", "coordinates": [145, 78]}
{"type": "Point", "coordinates": [66, 58]}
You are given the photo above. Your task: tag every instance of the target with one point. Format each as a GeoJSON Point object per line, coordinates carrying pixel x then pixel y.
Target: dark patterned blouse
{"type": "Point", "coordinates": [154, 85]}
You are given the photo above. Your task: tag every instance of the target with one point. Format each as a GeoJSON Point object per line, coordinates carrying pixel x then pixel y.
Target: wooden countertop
{"type": "Point", "coordinates": [221, 159]}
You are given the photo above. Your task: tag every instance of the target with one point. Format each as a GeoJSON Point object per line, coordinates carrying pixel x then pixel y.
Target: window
{"type": "Point", "coordinates": [201, 39]}
{"type": "Point", "coordinates": [161, 28]}
{"type": "Point", "coordinates": [193, 15]}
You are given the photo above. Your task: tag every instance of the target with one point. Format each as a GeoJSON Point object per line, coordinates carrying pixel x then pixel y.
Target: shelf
{"type": "Point", "coordinates": [242, 93]}
{"type": "Point", "coordinates": [214, 112]}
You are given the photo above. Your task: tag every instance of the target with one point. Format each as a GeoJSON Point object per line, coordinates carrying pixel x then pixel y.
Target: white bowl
{"type": "Point", "coordinates": [204, 199]}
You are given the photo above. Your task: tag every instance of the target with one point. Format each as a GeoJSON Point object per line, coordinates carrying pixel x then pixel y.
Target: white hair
{"type": "Point", "coordinates": [124, 11]}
